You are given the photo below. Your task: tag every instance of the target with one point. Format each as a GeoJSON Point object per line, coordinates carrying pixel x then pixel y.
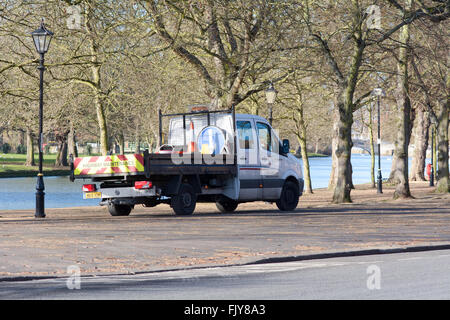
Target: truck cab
{"type": "Point", "coordinates": [264, 161]}
{"type": "Point", "coordinates": [218, 156]}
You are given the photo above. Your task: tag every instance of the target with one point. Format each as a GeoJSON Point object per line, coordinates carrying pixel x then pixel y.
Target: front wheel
{"type": "Point", "coordinates": [119, 209]}
{"type": "Point", "coordinates": [289, 197]}
{"type": "Point", "coordinates": [184, 202]}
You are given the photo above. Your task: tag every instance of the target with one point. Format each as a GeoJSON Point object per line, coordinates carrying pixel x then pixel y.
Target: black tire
{"type": "Point", "coordinates": [184, 202]}
{"type": "Point", "coordinates": [289, 197]}
{"type": "Point", "coordinates": [117, 210]}
{"type": "Point", "coordinates": [226, 205]}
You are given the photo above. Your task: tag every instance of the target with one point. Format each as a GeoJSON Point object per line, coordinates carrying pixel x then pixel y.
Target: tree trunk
{"type": "Point", "coordinates": [300, 126]}
{"type": "Point", "coordinates": [442, 174]}
{"type": "Point", "coordinates": [421, 145]}
{"type": "Point", "coordinates": [121, 143]}
{"type": "Point", "coordinates": [71, 143]}
{"type": "Point", "coordinates": [401, 152]}
{"type": "Point", "coordinates": [435, 152]}
{"type": "Point", "coordinates": [333, 174]}
{"type": "Point", "coordinates": [30, 149]}
{"type": "Point", "coordinates": [95, 84]}
{"type": "Point", "coordinates": [343, 134]}
{"type": "Point", "coordinates": [307, 171]}
{"type": "Point", "coordinates": [137, 149]}
{"type": "Point", "coordinates": [61, 157]}
{"type": "Point", "coordinates": [341, 175]}
{"type": "Point", "coordinates": [101, 119]}
{"type": "Point", "coordinates": [392, 179]}
{"type": "Point", "coordinates": [153, 142]}
{"type": "Point", "coordinates": [316, 147]}
{"type": "Point", "coordinates": [343, 148]}
{"type": "Point", "coordinates": [302, 140]}
{"type": "Point", "coordinates": [404, 117]}
{"type": "Point", "coordinates": [21, 138]}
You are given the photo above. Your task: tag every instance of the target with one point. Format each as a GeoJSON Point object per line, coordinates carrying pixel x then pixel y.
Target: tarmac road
{"type": "Point", "coordinates": [136, 257]}
{"type": "Point", "coordinates": [419, 275]}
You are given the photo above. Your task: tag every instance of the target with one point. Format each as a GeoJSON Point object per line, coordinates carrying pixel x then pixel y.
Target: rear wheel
{"type": "Point", "coordinates": [289, 197]}
{"type": "Point", "coordinates": [119, 209]}
{"type": "Point", "coordinates": [184, 202]}
{"type": "Point", "coordinates": [226, 205]}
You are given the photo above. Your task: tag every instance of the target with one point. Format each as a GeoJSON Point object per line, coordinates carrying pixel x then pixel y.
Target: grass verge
{"type": "Point", "coordinates": [13, 165]}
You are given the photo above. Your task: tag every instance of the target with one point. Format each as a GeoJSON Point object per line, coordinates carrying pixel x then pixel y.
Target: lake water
{"type": "Point", "coordinates": [19, 193]}
{"type": "Point", "coordinates": [320, 169]}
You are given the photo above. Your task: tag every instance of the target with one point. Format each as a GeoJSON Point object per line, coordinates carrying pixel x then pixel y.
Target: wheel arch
{"type": "Point", "coordinates": [173, 185]}
{"type": "Point", "coordinates": [293, 179]}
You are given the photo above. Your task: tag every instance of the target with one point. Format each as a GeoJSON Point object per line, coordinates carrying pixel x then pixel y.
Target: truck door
{"type": "Point", "coordinates": [248, 161]}
{"type": "Point", "coordinates": [272, 162]}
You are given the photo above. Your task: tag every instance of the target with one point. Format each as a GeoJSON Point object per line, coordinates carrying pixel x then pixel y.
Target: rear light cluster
{"type": "Point", "coordinates": [143, 185]}
{"type": "Point", "coordinates": [89, 187]}
{"type": "Point", "coordinates": [137, 185]}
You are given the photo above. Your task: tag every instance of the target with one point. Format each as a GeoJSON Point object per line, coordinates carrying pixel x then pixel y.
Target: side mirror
{"type": "Point", "coordinates": [286, 147]}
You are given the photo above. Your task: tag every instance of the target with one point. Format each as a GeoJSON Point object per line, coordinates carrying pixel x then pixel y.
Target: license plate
{"type": "Point", "coordinates": [92, 195]}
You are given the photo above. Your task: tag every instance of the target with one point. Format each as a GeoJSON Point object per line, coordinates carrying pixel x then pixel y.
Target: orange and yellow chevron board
{"type": "Point", "coordinates": [113, 164]}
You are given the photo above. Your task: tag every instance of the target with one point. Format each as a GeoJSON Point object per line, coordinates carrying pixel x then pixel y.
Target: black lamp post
{"type": "Point", "coordinates": [41, 38]}
{"type": "Point", "coordinates": [378, 92]}
{"type": "Point", "coordinates": [271, 95]}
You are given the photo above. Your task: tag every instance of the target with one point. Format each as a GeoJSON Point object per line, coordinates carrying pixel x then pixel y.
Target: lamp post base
{"type": "Point", "coordinates": [40, 197]}
{"type": "Point", "coordinates": [379, 183]}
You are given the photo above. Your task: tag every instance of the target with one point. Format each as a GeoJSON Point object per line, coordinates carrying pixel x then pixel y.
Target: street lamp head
{"type": "Point", "coordinates": [271, 94]}
{"type": "Point", "coordinates": [42, 38]}
{"type": "Point", "coordinates": [378, 92]}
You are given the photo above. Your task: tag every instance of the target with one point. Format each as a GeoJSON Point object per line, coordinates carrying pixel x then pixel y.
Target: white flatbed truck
{"type": "Point", "coordinates": [209, 156]}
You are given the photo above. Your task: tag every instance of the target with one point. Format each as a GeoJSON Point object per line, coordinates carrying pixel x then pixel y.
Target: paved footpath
{"type": "Point", "coordinates": [153, 239]}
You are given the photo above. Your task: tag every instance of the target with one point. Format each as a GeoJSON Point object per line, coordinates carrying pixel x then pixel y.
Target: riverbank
{"type": "Point", "coordinates": [20, 171]}
{"type": "Point", "coordinates": [152, 239]}
{"type": "Point", "coordinates": [13, 166]}
{"type": "Point", "coordinates": [315, 155]}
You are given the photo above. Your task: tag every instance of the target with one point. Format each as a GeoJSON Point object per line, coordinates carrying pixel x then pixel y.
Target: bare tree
{"type": "Point", "coordinates": [222, 41]}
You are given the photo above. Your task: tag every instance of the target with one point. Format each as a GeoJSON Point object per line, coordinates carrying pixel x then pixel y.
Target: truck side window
{"type": "Point", "coordinates": [267, 138]}
{"type": "Point", "coordinates": [245, 134]}
{"type": "Point", "coordinates": [264, 136]}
